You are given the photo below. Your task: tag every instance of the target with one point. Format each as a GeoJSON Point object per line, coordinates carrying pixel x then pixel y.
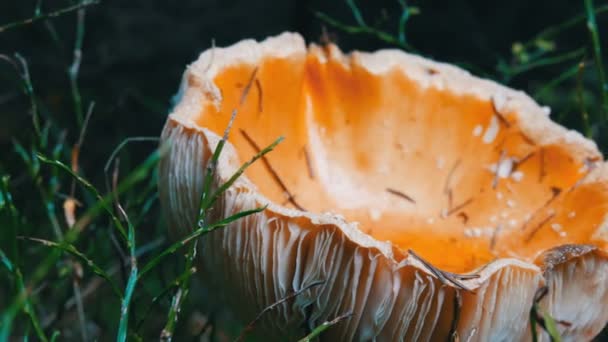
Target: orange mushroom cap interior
{"type": "Point", "coordinates": [440, 173]}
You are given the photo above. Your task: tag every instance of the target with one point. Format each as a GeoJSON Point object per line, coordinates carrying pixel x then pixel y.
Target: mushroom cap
{"type": "Point", "coordinates": [432, 204]}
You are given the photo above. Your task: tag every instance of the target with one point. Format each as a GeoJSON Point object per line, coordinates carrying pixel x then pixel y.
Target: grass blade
{"type": "Point", "coordinates": [211, 168]}
{"type": "Point", "coordinates": [326, 325]}
{"type": "Point", "coordinates": [543, 62]}
{"type": "Point", "coordinates": [22, 301]}
{"type": "Point", "coordinates": [175, 283]}
{"type": "Point", "coordinates": [195, 234]}
{"type": "Point", "coordinates": [211, 199]}
{"type": "Point", "coordinates": [45, 265]}
{"type": "Point", "coordinates": [550, 86]}
{"type": "Point", "coordinates": [42, 16]}
{"type": "Point", "coordinates": [289, 296]}
{"type": "Point", "coordinates": [6, 261]}
{"type": "Point", "coordinates": [123, 325]}
{"type": "Point", "coordinates": [597, 53]}
{"type": "Point", "coordinates": [89, 187]}
{"type": "Point", "coordinates": [71, 249]}
{"type": "Point", "coordinates": [179, 297]}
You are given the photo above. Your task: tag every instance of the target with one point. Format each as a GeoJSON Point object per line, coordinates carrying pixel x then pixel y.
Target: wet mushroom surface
{"type": "Point", "coordinates": [430, 203]}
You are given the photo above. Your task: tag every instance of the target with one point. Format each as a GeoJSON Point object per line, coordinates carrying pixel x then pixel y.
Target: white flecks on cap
{"type": "Point", "coordinates": [504, 168]}
{"type": "Point", "coordinates": [383, 168]}
{"type": "Point", "coordinates": [517, 176]}
{"type": "Point", "coordinates": [440, 162]}
{"type": "Point", "coordinates": [491, 131]}
{"type": "Point", "coordinates": [477, 130]}
{"type": "Point", "coordinates": [472, 232]}
{"type": "Point", "coordinates": [546, 110]}
{"type": "Point", "coordinates": [556, 227]}
{"type": "Point", "coordinates": [513, 222]}
{"type": "Point", "coordinates": [511, 203]}
{"type": "Point", "coordinates": [375, 214]}
{"type": "Point", "coordinates": [572, 214]}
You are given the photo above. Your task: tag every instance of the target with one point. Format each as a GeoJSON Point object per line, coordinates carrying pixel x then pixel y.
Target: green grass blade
{"type": "Point", "coordinates": [211, 165]}
{"type": "Point", "coordinates": [403, 19]}
{"type": "Point", "coordinates": [21, 301]}
{"type": "Point", "coordinates": [561, 78]}
{"type": "Point", "coordinates": [45, 265]}
{"type": "Point", "coordinates": [552, 32]}
{"type": "Point", "coordinates": [533, 323]}
{"type": "Point", "coordinates": [90, 188]}
{"type": "Point", "coordinates": [175, 283]}
{"type": "Point", "coordinates": [55, 335]}
{"type": "Point", "coordinates": [179, 297]}
{"type": "Point", "coordinates": [597, 53]}
{"type": "Point", "coordinates": [326, 325]}
{"type": "Point", "coordinates": [199, 232]}
{"type": "Point", "coordinates": [6, 261]}
{"type": "Point", "coordinates": [123, 325]}
{"type": "Point", "coordinates": [356, 13]}
{"type": "Point", "coordinates": [71, 249]}
{"type": "Point", "coordinates": [362, 28]}
{"type": "Point", "coordinates": [543, 62]}
{"type": "Point", "coordinates": [7, 205]}
{"type": "Point", "coordinates": [551, 328]}
{"type": "Point", "coordinates": [544, 319]}
{"type": "Point", "coordinates": [139, 174]}
{"type": "Point", "coordinates": [211, 199]}
{"type": "Point", "coordinates": [43, 16]}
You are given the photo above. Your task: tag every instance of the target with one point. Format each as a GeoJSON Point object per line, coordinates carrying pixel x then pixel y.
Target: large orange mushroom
{"type": "Point", "coordinates": [432, 204]}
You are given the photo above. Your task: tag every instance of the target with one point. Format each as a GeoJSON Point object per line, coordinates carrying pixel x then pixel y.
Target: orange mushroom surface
{"type": "Point", "coordinates": [431, 204]}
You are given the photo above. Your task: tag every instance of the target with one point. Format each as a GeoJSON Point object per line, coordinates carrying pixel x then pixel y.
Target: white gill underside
{"type": "Point", "coordinates": [262, 258]}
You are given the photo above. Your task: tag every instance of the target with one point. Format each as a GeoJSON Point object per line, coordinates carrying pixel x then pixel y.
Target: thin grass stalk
{"type": "Point", "coordinates": [74, 68]}
{"type": "Point", "coordinates": [41, 16]}
{"type": "Point", "coordinates": [597, 54]}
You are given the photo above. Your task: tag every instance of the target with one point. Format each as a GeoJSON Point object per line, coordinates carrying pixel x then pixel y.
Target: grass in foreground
{"type": "Point", "coordinates": [65, 241]}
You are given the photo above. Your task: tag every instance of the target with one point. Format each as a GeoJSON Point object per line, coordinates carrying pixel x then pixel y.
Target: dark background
{"type": "Point", "coordinates": [134, 53]}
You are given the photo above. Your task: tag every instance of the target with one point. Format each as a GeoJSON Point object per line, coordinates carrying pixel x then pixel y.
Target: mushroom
{"type": "Point", "coordinates": [431, 204]}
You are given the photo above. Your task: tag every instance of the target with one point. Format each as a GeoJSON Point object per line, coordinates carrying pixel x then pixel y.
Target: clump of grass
{"type": "Point", "coordinates": [66, 241]}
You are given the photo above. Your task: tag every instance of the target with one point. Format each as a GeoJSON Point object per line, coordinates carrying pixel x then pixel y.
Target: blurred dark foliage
{"type": "Point", "coordinates": [134, 53]}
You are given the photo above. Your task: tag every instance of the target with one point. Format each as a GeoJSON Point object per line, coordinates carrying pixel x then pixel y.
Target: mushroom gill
{"type": "Point", "coordinates": [430, 202]}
